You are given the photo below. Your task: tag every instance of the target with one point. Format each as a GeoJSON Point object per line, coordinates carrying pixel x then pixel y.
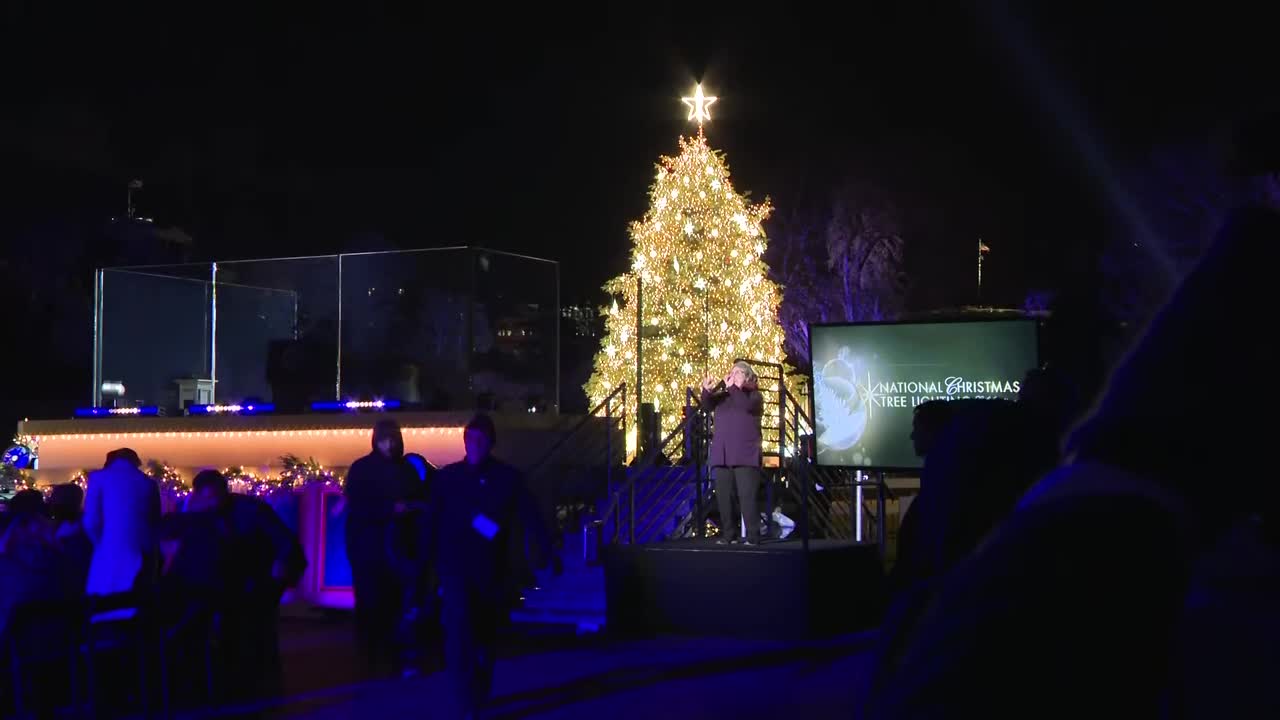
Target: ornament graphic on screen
{"type": "Point", "coordinates": [843, 416]}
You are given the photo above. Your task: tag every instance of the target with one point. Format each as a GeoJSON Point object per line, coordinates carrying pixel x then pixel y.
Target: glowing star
{"type": "Point", "coordinates": [699, 105]}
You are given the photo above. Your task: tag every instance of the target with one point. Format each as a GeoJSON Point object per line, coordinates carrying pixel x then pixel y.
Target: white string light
{"type": "Point", "coordinates": [201, 435]}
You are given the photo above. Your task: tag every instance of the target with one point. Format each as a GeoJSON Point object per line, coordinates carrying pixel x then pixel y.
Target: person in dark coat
{"type": "Point", "coordinates": [1081, 598]}
{"type": "Point", "coordinates": [66, 503]}
{"type": "Point", "coordinates": [238, 543]}
{"type": "Point", "coordinates": [379, 487]}
{"type": "Point", "coordinates": [735, 455]}
{"type": "Point", "coordinates": [411, 549]}
{"type": "Point", "coordinates": [481, 515]}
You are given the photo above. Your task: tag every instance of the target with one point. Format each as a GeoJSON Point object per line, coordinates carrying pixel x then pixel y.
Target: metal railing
{"type": "Point", "coordinates": [579, 470]}
{"type": "Point", "coordinates": [667, 490]}
{"type": "Point", "coordinates": [664, 487]}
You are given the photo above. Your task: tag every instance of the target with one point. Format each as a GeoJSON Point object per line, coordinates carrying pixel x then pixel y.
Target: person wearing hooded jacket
{"type": "Point", "coordinates": [378, 488]}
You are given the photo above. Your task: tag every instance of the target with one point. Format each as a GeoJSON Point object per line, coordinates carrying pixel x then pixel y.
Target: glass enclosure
{"type": "Point", "coordinates": [442, 329]}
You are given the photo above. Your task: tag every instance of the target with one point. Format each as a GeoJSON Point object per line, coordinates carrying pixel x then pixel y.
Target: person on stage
{"type": "Point", "coordinates": [735, 456]}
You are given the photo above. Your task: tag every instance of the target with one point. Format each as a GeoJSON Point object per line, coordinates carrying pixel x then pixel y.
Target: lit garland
{"type": "Point", "coordinates": [29, 442]}
{"type": "Point", "coordinates": [244, 481]}
{"type": "Point", "coordinates": [79, 478]}
{"type": "Point", "coordinates": [170, 482]}
{"type": "Point", "coordinates": [13, 479]}
{"type": "Point", "coordinates": [707, 296]}
{"type": "Point", "coordinates": [299, 473]}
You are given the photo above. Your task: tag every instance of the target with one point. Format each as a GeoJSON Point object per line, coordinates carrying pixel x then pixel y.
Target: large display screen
{"type": "Point", "coordinates": [868, 379]}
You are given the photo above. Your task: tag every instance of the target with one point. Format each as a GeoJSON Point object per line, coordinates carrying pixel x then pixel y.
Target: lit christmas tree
{"type": "Point", "coordinates": [706, 297]}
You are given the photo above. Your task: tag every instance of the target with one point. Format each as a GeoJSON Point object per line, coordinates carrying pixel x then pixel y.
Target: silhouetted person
{"type": "Point", "coordinates": [928, 421]}
{"type": "Point", "coordinates": [263, 558]}
{"type": "Point", "coordinates": [121, 517]}
{"type": "Point", "coordinates": [66, 509]}
{"type": "Point", "coordinates": [736, 452]}
{"type": "Point", "coordinates": [378, 488]}
{"type": "Point", "coordinates": [412, 553]}
{"type": "Point", "coordinates": [483, 517]}
{"type": "Point", "coordinates": [32, 573]}
{"type": "Point", "coordinates": [1078, 604]}
{"type": "Point", "coordinates": [1051, 399]}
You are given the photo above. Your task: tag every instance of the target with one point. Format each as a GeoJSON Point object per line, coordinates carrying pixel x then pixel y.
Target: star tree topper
{"type": "Point", "coordinates": [699, 105]}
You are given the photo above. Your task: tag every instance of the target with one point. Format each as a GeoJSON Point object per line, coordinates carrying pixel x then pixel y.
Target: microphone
{"type": "Point", "coordinates": [720, 389]}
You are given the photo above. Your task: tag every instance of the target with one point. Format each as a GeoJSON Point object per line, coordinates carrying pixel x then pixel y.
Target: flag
{"type": "Point", "coordinates": [983, 248]}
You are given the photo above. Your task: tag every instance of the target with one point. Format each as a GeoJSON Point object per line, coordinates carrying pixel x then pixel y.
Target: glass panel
{"type": "Point", "coordinates": [442, 329]}
{"type": "Point", "coordinates": [514, 361]}
{"type": "Point", "coordinates": [155, 329]}
{"type": "Point", "coordinates": [404, 327]}
{"type": "Point", "coordinates": [277, 331]}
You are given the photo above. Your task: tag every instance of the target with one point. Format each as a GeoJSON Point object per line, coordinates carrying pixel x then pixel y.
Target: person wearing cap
{"type": "Point", "coordinates": [483, 517]}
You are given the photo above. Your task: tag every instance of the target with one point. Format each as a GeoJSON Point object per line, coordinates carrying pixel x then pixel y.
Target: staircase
{"type": "Point", "coordinates": [575, 599]}
{"type": "Point", "coordinates": [577, 471]}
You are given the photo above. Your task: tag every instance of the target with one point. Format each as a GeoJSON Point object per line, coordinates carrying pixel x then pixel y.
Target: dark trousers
{"type": "Point", "coordinates": [379, 608]}
{"type": "Point", "coordinates": [746, 480]}
{"type": "Point", "coordinates": [471, 622]}
{"type": "Point", "coordinates": [251, 645]}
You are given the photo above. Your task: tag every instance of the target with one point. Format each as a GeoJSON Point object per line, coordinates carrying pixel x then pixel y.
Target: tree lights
{"type": "Point", "coordinates": [707, 299]}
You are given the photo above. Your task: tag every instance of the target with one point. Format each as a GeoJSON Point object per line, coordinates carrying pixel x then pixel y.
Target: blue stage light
{"type": "Point", "coordinates": [101, 412]}
{"type": "Point", "coordinates": [353, 405]}
{"type": "Point", "coordinates": [234, 409]}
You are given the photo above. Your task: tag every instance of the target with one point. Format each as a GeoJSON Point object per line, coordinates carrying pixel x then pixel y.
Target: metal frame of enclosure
{"type": "Point", "coordinates": [457, 321]}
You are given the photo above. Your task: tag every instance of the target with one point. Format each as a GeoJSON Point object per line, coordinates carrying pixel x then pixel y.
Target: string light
{"type": "Point", "coordinates": [246, 434]}
{"type": "Point", "coordinates": [171, 483]}
{"type": "Point", "coordinates": [683, 241]}
{"type": "Point", "coordinates": [242, 480]}
{"type": "Point", "coordinates": [14, 479]}
{"type": "Point", "coordinates": [298, 474]}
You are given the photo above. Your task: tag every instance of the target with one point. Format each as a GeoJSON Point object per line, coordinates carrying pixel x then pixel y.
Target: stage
{"type": "Point", "coordinates": [775, 589]}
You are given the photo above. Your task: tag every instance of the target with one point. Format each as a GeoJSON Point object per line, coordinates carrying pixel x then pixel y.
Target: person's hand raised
{"type": "Point", "coordinates": [708, 382]}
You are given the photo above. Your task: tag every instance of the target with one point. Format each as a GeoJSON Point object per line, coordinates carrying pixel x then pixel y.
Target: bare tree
{"type": "Point", "coordinates": [838, 261]}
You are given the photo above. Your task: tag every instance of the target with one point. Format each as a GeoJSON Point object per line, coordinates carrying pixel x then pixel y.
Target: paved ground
{"type": "Point", "coordinates": [585, 677]}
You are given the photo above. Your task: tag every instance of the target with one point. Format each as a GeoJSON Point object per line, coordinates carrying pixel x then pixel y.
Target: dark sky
{"type": "Point", "coordinates": [271, 134]}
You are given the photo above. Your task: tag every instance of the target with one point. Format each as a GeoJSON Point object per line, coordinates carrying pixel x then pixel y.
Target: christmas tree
{"type": "Point", "coordinates": [705, 296]}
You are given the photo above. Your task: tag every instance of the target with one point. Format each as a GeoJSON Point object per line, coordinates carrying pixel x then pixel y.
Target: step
{"type": "Point", "coordinates": [582, 622]}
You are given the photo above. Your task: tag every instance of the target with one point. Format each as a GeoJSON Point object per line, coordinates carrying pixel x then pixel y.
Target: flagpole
{"type": "Point", "coordinates": [979, 270]}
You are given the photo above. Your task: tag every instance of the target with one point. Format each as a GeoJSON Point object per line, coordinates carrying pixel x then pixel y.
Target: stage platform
{"type": "Point", "coordinates": [771, 590]}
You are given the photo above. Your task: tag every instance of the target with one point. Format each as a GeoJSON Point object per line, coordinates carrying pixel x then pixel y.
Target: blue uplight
{"type": "Point", "coordinates": [234, 409]}
{"type": "Point", "coordinates": [355, 405]}
{"type": "Point", "coordinates": [100, 412]}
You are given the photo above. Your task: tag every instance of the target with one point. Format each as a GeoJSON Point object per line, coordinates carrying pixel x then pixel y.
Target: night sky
{"type": "Point", "coordinates": [262, 133]}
